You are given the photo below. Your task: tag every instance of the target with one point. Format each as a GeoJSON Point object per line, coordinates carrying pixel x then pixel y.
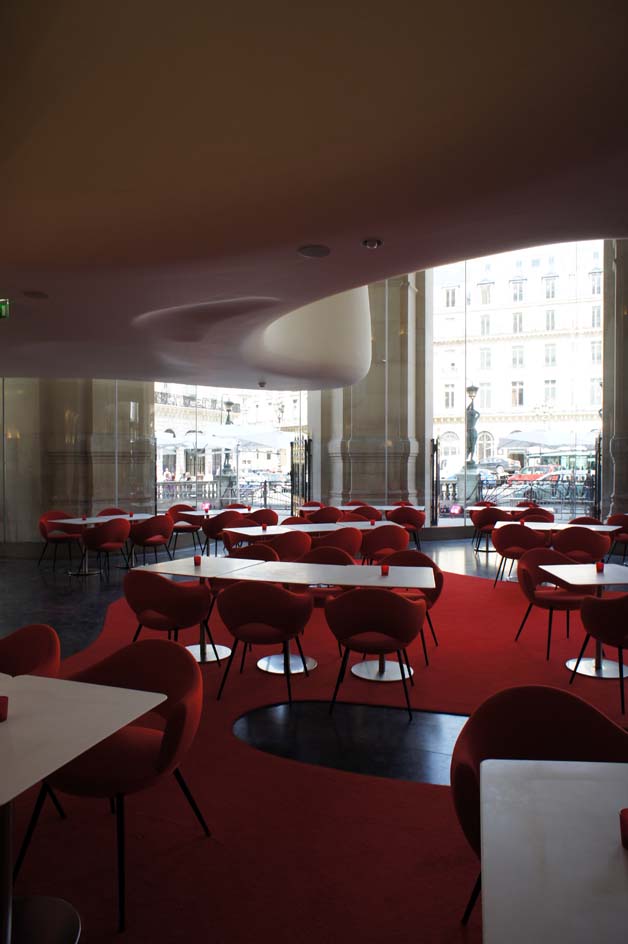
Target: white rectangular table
{"type": "Point", "coordinates": [91, 521]}
{"type": "Point", "coordinates": [553, 867]}
{"type": "Point", "coordinates": [380, 507]}
{"type": "Point", "coordinates": [560, 526]}
{"type": "Point", "coordinates": [308, 528]}
{"type": "Point", "coordinates": [575, 577]}
{"type": "Point", "coordinates": [509, 508]}
{"type": "Point", "coordinates": [50, 722]}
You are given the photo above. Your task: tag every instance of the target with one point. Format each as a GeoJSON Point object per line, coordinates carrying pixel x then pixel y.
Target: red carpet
{"type": "Point", "coordinates": [298, 850]}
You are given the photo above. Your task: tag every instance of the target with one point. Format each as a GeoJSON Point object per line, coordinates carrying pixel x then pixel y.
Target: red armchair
{"type": "Point", "coordinates": [378, 543]}
{"type": "Point", "coordinates": [532, 722]}
{"type": "Point", "coordinates": [136, 757]}
{"type": "Point", "coordinates": [67, 534]}
{"type": "Point", "coordinates": [31, 650]}
{"type": "Point", "coordinates": [606, 619]}
{"type": "Point", "coordinates": [152, 533]}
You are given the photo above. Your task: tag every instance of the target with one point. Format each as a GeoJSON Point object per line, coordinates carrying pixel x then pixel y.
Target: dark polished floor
{"type": "Point", "coordinates": [358, 738]}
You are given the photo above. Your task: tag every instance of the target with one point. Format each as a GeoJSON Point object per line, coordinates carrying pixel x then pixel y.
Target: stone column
{"type": "Point", "coordinates": [616, 333]}
{"type": "Point", "coordinates": [74, 445]}
{"type": "Point", "coordinates": [368, 432]}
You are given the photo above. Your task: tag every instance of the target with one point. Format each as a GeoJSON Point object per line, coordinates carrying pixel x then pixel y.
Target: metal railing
{"type": "Point", "coordinates": [221, 492]}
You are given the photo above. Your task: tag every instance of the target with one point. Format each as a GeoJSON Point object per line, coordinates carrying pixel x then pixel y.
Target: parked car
{"type": "Point", "coordinates": [530, 473]}
{"type": "Point", "coordinates": [503, 466]}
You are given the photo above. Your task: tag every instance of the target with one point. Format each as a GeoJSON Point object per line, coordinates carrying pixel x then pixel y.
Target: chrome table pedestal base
{"type": "Point", "coordinates": [274, 664]}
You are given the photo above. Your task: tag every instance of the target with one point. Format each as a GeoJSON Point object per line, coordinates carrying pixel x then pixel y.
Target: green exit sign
{"type": "Point", "coordinates": [4, 307]}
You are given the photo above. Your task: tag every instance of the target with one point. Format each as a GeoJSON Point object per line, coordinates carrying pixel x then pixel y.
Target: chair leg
{"type": "Point", "coordinates": [155, 552]}
{"type": "Point", "coordinates": [523, 622]}
{"type": "Point", "coordinates": [138, 630]}
{"type": "Point", "coordinates": [174, 543]}
{"type": "Point", "coordinates": [427, 661]}
{"type": "Point", "coordinates": [407, 661]}
{"type": "Point", "coordinates": [170, 557]}
{"type": "Point", "coordinates": [620, 654]}
{"type": "Point", "coordinates": [188, 796]}
{"type": "Point", "coordinates": [403, 679]}
{"type": "Point", "coordinates": [55, 801]}
{"type": "Point", "coordinates": [30, 829]}
{"type": "Point", "coordinates": [477, 888]}
{"type": "Point", "coordinates": [549, 633]}
{"type": "Point", "coordinates": [341, 675]}
{"type": "Point", "coordinates": [121, 861]}
{"type": "Point", "coordinates": [41, 556]}
{"type": "Point", "coordinates": [244, 648]}
{"type": "Point", "coordinates": [298, 642]}
{"type": "Point", "coordinates": [567, 615]}
{"type": "Point", "coordinates": [205, 629]}
{"type": "Point", "coordinates": [227, 667]}
{"type": "Point", "coordinates": [575, 668]}
{"type": "Point", "coordinates": [286, 668]}
{"type": "Point", "coordinates": [430, 624]}
{"type": "Point", "coordinates": [500, 569]}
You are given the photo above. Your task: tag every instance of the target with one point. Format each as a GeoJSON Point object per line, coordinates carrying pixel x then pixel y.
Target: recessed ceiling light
{"type": "Point", "coordinates": [313, 251]}
{"type": "Point", "coordinates": [34, 293]}
{"type": "Point", "coordinates": [372, 242]}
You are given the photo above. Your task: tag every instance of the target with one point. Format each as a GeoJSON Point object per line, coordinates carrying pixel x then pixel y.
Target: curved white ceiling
{"type": "Point", "coordinates": [161, 166]}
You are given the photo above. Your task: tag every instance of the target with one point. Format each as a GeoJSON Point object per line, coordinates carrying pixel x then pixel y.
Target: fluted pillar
{"type": "Point", "coordinates": [616, 374]}
{"type": "Point", "coordinates": [368, 432]}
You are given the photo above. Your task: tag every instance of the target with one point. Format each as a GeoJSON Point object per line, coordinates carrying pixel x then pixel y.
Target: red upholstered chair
{"type": "Point", "coordinates": [585, 519]}
{"type": "Point", "coordinates": [411, 519]}
{"type": "Point", "coordinates": [525, 504]}
{"type": "Point", "coordinates": [532, 722]}
{"type": "Point", "coordinates": [419, 559]}
{"type": "Point", "coordinates": [531, 579]}
{"type": "Point", "coordinates": [581, 545]}
{"type": "Point", "coordinates": [327, 515]}
{"type": "Point", "coordinates": [351, 516]}
{"type": "Point", "coordinates": [607, 621]}
{"type": "Point", "coordinates": [293, 519]}
{"type": "Point", "coordinates": [512, 541]}
{"type": "Point", "coordinates": [378, 543]}
{"type": "Point", "coordinates": [373, 621]}
{"type": "Point", "coordinates": [56, 535]}
{"type": "Point", "coordinates": [182, 525]}
{"type": "Point", "coordinates": [403, 503]}
{"type": "Point", "coordinates": [112, 511]}
{"type": "Point", "coordinates": [308, 507]}
{"type": "Point", "coordinates": [237, 505]}
{"type": "Point", "coordinates": [31, 650]}
{"type": "Point", "coordinates": [152, 532]}
{"type": "Point", "coordinates": [166, 606]}
{"type": "Point", "coordinates": [290, 547]}
{"type": "Point", "coordinates": [259, 551]}
{"type": "Point", "coordinates": [536, 514]}
{"type": "Point", "coordinates": [136, 757]}
{"type": "Point", "coordinates": [213, 527]}
{"type": "Point", "coordinates": [356, 502]}
{"type": "Point", "coordinates": [105, 538]}
{"type": "Point", "coordinates": [368, 513]}
{"type": "Point", "coordinates": [484, 522]}
{"type": "Point", "coordinates": [348, 539]}
{"type": "Point", "coordinates": [265, 516]}
{"type": "Point", "coordinates": [264, 614]}
{"type": "Point", "coordinates": [620, 538]}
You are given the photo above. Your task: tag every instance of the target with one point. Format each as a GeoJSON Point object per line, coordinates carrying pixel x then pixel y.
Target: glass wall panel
{"type": "Point", "coordinates": [518, 377]}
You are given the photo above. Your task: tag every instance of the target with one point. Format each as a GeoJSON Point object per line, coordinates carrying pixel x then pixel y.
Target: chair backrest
{"type": "Point", "coordinates": [112, 511]}
{"type": "Point", "coordinates": [175, 512]}
{"type": "Point", "coordinates": [410, 558]}
{"type": "Point", "coordinates": [237, 505]}
{"type": "Point", "coordinates": [581, 544]}
{"type": "Point", "coordinates": [46, 523]}
{"type": "Point", "coordinates": [264, 516]}
{"type": "Point", "coordinates": [349, 539]}
{"type": "Point", "coordinates": [369, 513]}
{"type": "Point", "coordinates": [606, 619]}
{"type": "Point", "coordinates": [184, 604]}
{"type": "Point", "coordinates": [157, 665]}
{"type": "Point", "coordinates": [249, 602]}
{"type": "Point", "coordinates": [226, 519]}
{"type": "Point", "coordinates": [351, 516]}
{"type": "Point", "coordinates": [158, 525]}
{"type": "Point", "coordinates": [619, 519]}
{"type": "Point", "coordinates": [326, 555]}
{"type": "Point", "coordinates": [115, 531]}
{"type": "Point", "coordinates": [31, 650]}
{"type": "Point", "coordinates": [406, 515]}
{"type": "Point", "coordinates": [295, 519]}
{"type": "Point", "coordinates": [537, 514]}
{"type": "Point", "coordinates": [327, 515]}
{"type": "Point", "coordinates": [374, 610]}
{"type": "Point", "coordinates": [526, 504]}
{"type": "Point", "coordinates": [312, 504]}
{"type": "Point", "coordinates": [515, 537]}
{"type": "Point", "coordinates": [356, 502]}
{"type": "Point", "coordinates": [402, 502]}
{"type": "Point", "coordinates": [487, 517]}
{"type": "Point", "coordinates": [529, 573]}
{"type": "Point", "coordinates": [388, 536]}
{"type": "Point", "coordinates": [585, 519]}
{"type": "Point", "coordinates": [292, 546]}
{"type": "Point", "coordinates": [531, 722]}
{"type": "Point", "coordinates": [258, 551]}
